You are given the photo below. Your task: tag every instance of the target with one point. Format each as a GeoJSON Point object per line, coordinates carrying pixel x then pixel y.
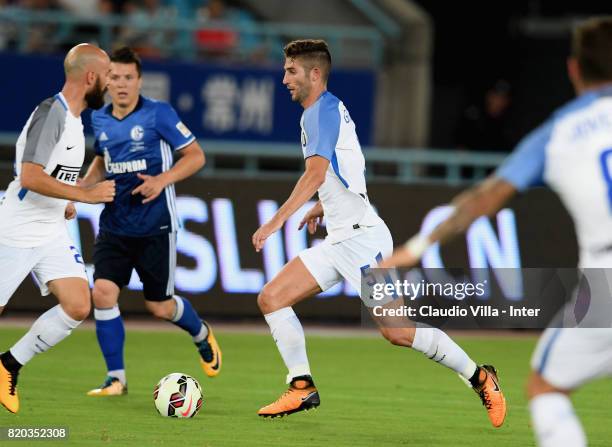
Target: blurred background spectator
{"type": "Point", "coordinates": [487, 125]}
{"type": "Point", "coordinates": [427, 58]}
{"type": "Point", "coordinates": [140, 33]}
{"type": "Point", "coordinates": [88, 11]}
{"type": "Point", "coordinates": [219, 38]}
{"type": "Point", "coordinates": [82, 8]}
{"type": "Point", "coordinates": [229, 29]}
{"type": "Point", "coordinates": [39, 36]}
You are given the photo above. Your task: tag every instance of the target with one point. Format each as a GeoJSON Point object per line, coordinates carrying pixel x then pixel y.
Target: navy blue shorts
{"type": "Point", "coordinates": [153, 258]}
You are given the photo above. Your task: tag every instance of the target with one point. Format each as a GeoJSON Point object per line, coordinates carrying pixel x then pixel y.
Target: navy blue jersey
{"type": "Point", "coordinates": [142, 142]}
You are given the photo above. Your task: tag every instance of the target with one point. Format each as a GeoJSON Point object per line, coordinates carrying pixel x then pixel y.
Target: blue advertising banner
{"type": "Point", "coordinates": [220, 271]}
{"type": "Point", "coordinates": [214, 101]}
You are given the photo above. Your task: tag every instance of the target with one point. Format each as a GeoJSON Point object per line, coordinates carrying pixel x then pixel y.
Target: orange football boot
{"type": "Point", "coordinates": [210, 353]}
{"type": "Point", "coordinates": [491, 395]}
{"type": "Point", "coordinates": [301, 395]}
{"type": "Point", "coordinates": [112, 386]}
{"type": "Point", "coordinates": [8, 389]}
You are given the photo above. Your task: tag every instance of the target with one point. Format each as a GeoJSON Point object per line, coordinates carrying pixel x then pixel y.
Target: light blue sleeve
{"type": "Point", "coordinates": [525, 166]}
{"type": "Point", "coordinates": [322, 127]}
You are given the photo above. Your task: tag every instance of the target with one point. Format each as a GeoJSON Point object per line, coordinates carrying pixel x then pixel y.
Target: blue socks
{"type": "Point", "coordinates": [111, 333]}
{"type": "Point", "coordinates": [186, 318]}
{"type": "Point", "coordinates": [111, 337]}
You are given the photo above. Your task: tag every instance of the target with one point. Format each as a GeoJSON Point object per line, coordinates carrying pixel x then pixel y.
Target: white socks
{"type": "Point", "coordinates": [107, 314]}
{"type": "Point", "coordinates": [440, 348]}
{"type": "Point", "coordinates": [289, 337]}
{"type": "Point", "coordinates": [554, 421]}
{"type": "Point", "coordinates": [435, 344]}
{"type": "Point", "coordinates": [119, 374]}
{"type": "Point", "coordinates": [202, 335]}
{"type": "Point", "coordinates": [47, 331]}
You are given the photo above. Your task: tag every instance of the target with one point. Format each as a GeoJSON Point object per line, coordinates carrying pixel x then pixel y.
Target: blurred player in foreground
{"type": "Point", "coordinates": [357, 239]}
{"type": "Point", "coordinates": [33, 233]}
{"type": "Point", "coordinates": [134, 141]}
{"type": "Point", "coordinates": [572, 153]}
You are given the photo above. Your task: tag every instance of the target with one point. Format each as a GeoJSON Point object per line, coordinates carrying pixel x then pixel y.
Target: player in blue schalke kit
{"type": "Point", "coordinates": [135, 138]}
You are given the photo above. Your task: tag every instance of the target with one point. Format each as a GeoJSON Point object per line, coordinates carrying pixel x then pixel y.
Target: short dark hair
{"type": "Point", "coordinates": [313, 52]}
{"type": "Point", "coordinates": [126, 55]}
{"type": "Point", "coordinates": [592, 48]}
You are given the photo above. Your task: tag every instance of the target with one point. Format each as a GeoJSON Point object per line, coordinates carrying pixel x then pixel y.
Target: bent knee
{"type": "Point", "coordinates": [100, 298]}
{"type": "Point", "coordinates": [78, 310]}
{"type": "Point", "coordinates": [160, 312]}
{"type": "Point", "coordinates": [536, 385]}
{"type": "Point", "coordinates": [398, 336]}
{"type": "Point", "coordinates": [163, 310]}
{"type": "Point", "coordinates": [104, 296]}
{"type": "Point", "coordinates": [267, 299]}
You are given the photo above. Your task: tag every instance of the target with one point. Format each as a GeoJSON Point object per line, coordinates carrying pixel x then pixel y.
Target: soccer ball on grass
{"type": "Point", "coordinates": [178, 395]}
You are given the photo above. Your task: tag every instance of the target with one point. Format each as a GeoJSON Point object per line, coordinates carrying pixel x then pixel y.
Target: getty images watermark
{"type": "Point", "coordinates": [467, 298]}
{"type": "Point", "coordinates": [459, 291]}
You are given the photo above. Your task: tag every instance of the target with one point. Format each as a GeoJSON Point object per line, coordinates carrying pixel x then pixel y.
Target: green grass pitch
{"type": "Point", "coordinates": [373, 394]}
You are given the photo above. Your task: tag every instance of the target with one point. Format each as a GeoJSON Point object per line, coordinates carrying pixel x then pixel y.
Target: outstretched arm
{"type": "Point", "coordinates": [307, 185]}
{"type": "Point", "coordinates": [484, 199]}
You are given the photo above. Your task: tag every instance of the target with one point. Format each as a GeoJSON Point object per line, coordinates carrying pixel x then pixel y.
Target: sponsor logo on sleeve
{"type": "Point", "coordinates": [183, 129]}
{"type": "Point", "coordinates": [66, 174]}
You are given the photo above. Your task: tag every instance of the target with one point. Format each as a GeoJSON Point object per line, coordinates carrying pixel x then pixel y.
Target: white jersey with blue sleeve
{"type": "Point", "coordinates": [52, 138]}
{"type": "Point", "coordinates": [572, 153]}
{"type": "Point", "coordinates": [328, 131]}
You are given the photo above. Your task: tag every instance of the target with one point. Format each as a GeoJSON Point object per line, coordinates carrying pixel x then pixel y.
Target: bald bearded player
{"type": "Point", "coordinates": [33, 235]}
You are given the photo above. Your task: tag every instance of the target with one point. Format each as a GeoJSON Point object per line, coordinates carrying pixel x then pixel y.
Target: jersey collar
{"type": "Point", "coordinates": [109, 110]}
{"type": "Point", "coordinates": [62, 100]}
{"type": "Point", "coordinates": [605, 90]}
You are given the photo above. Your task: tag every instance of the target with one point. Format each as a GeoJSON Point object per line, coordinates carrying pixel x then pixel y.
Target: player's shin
{"type": "Point", "coordinates": [47, 331]}
{"type": "Point", "coordinates": [484, 380]}
{"type": "Point", "coordinates": [111, 338]}
{"type": "Point", "coordinates": [289, 337]}
{"type": "Point", "coordinates": [187, 319]}
{"type": "Point", "coordinates": [555, 421]}
{"type": "Point", "coordinates": [440, 348]}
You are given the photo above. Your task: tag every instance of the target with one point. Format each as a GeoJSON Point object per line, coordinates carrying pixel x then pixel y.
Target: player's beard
{"type": "Point", "coordinates": [95, 97]}
{"type": "Point", "coordinates": [301, 93]}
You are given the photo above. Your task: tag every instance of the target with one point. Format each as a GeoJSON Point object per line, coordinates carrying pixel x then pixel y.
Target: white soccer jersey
{"type": "Point", "coordinates": [572, 153]}
{"type": "Point", "coordinates": [329, 131]}
{"type": "Point", "coordinates": [53, 138]}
